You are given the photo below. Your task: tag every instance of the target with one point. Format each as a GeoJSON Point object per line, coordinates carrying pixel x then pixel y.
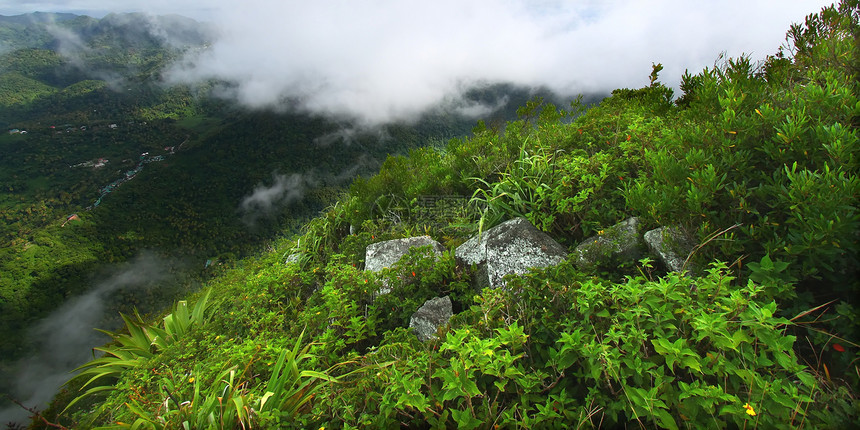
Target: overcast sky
{"type": "Point", "coordinates": [383, 59]}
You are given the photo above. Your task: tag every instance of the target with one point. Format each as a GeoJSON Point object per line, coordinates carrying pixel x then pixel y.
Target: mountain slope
{"type": "Point", "coordinates": [104, 170]}
{"type": "Point", "coordinates": [759, 164]}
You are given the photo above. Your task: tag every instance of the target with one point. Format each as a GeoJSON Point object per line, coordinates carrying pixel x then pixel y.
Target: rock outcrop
{"type": "Point", "coordinates": [671, 246]}
{"type": "Point", "coordinates": [514, 246]}
{"type": "Point", "coordinates": [434, 313]}
{"type": "Point", "coordinates": [615, 245]}
{"type": "Point", "coordinates": [384, 254]}
{"type": "Point", "coordinates": [380, 255]}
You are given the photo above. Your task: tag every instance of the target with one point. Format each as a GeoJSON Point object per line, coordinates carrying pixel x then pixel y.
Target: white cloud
{"type": "Point", "coordinates": [284, 191]}
{"type": "Point", "coordinates": [392, 59]}
{"type": "Point", "coordinates": [385, 59]}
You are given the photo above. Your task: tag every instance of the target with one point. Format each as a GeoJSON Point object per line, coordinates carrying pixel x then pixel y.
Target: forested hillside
{"type": "Point", "coordinates": [106, 171]}
{"type": "Point", "coordinates": [756, 161]}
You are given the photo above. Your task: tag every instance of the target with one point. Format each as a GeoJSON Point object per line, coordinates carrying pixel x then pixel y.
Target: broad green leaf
{"type": "Point", "coordinates": [665, 419]}
{"type": "Point", "coordinates": [465, 420]}
{"type": "Point", "coordinates": [691, 362]}
{"type": "Point", "coordinates": [785, 360]}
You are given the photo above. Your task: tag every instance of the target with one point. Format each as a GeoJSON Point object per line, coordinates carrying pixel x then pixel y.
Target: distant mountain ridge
{"type": "Point", "coordinates": [37, 17]}
{"type": "Point", "coordinates": [46, 57]}
{"type": "Point", "coordinates": [47, 30]}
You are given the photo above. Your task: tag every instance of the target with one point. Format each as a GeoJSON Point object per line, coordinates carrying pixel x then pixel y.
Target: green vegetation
{"type": "Point", "coordinates": [757, 161]}
{"type": "Point", "coordinates": [142, 342]}
{"type": "Point", "coordinates": [90, 114]}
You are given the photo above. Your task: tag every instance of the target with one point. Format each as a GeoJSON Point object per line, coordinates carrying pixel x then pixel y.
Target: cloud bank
{"type": "Point", "coordinates": [380, 60]}
{"type": "Point", "coordinates": [384, 60]}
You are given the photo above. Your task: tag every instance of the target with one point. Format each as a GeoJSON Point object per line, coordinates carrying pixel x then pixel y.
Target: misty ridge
{"type": "Point", "coordinates": [131, 51]}
{"type": "Point", "coordinates": [114, 49]}
{"type": "Point", "coordinates": [394, 62]}
{"type": "Point", "coordinates": [57, 31]}
{"type": "Point", "coordinates": [372, 66]}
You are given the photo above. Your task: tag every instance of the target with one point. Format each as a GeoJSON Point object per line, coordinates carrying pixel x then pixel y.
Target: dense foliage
{"type": "Point", "coordinates": [757, 161]}
{"type": "Point", "coordinates": [78, 196]}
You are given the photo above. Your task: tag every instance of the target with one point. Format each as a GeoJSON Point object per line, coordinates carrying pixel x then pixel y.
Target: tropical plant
{"type": "Point", "coordinates": [143, 342]}
{"type": "Point", "coordinates": [669, 352]}
{"type": "Point", "coordinates": [222, 404]}
{"type": "Point", "coordinates": [292, 386]}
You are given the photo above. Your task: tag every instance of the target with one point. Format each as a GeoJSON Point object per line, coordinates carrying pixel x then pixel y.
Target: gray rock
{"type": "Point", "coordinates": [380, 255]}
{"type": "Point", "coordinates": [434, 313]}
{"type": "Point", "coordinates": [514, 246]}
{"type": "Point", "coordinates": [617, 244]}
{"type": "Point", "coordinates": [474, 252]}
{"type": "Point", "coordinates": [671, 246]}
{"type": "Point", "coordinates": [384, 254]}
{"type": "Point", "coordinates": [293, 258]}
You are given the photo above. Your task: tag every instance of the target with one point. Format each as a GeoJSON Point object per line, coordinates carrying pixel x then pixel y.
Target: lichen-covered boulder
{"type": "Point", "coordinates": [671, 246]}
{"type": "Point", "coordinates": [514, 246]}
{"type": "Point", "coordinates": [380, 255]}
{"type": "Point", "coordinates": [614, 245]}
{"type": "Point", "coordinates": [434, 313]}
{"type": "Point", "coordinates": [384, 254]}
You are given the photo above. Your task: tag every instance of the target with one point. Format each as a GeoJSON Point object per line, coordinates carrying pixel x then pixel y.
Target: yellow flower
{"type": "Point", "coordinates": [750, 410]}
{"type": "Point", "coordinates": [191, 379]}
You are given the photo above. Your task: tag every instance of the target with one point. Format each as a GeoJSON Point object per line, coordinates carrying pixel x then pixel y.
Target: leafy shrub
{"type": "Point", "coordinates": [776, 156]}
{"type": "Point", "coordinates": [670, 352]}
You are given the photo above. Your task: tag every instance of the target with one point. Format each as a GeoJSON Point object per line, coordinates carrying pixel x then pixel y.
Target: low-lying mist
{"type": "Point", "coordinates": [391, 60]}
{"type": "Point", "coordinates": [65, 339]}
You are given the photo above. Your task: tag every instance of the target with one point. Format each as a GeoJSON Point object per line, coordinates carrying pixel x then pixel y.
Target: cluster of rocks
{"type": "Point", "coordinates": [625, 242]}
{"type": "Point", "coordinates": [516, 246]}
